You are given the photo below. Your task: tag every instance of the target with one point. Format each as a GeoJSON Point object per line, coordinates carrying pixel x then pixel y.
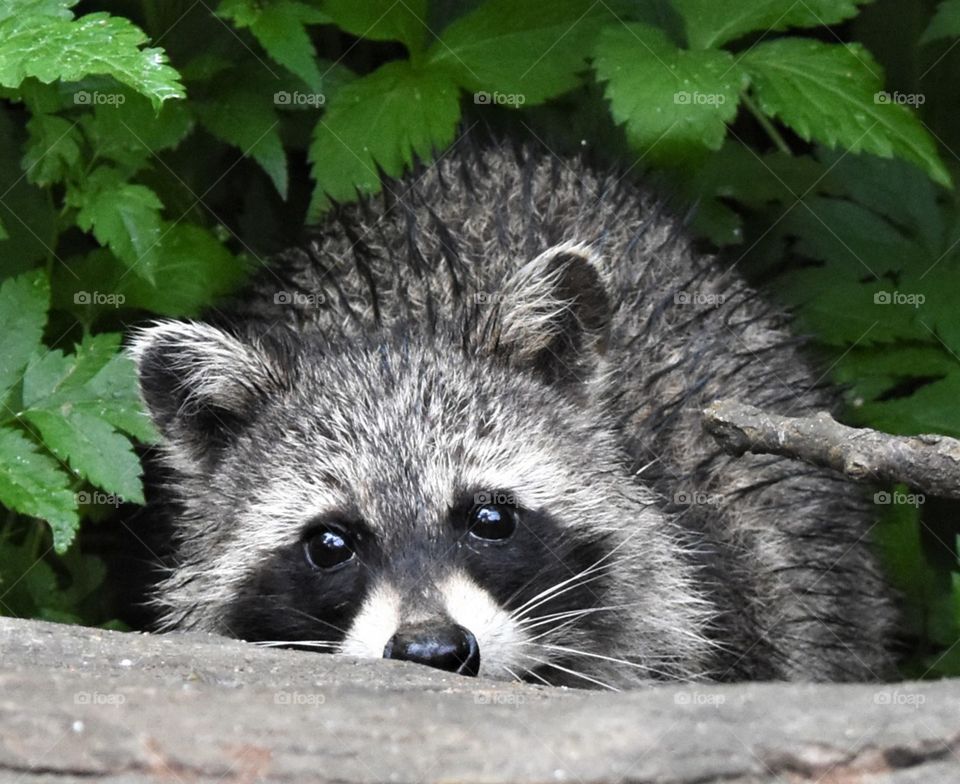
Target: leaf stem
{"type": "Point", "coordinates": [765, 123]}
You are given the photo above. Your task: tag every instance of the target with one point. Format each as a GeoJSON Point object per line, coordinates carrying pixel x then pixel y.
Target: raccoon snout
{"type": "Point", "coordinates": [447, 647]}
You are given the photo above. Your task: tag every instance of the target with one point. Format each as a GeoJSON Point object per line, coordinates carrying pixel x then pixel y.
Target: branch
{"type": "Point", "coordinates": [929, 463]}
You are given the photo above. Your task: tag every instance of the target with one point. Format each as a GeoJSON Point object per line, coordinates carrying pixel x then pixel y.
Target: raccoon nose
{"type": "Point", "coordinates": [450, 648]}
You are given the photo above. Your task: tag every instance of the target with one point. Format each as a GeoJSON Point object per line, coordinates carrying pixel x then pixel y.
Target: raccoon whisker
{"type": "Point", "coordinates": [578, 652]}
{"type": "Point", "coordinates": [576, 674]}
{"type": "Point", "coordinates": [305, 643]}
{"type": "Point", "coordinates": [648, 669]}
{"type": "Point", "coordinates": [595, 566]}
{"type": "Point", "coordinates": [519, 614]}
{"type": "Point", "coordinates": [538, 676]}
{"type": "Point", "coordinates": [316, 620]}
{"type": "Point", "coordinates": [556, 586]}
{"type": "Point", "coordinates": [515, 676]}
{"type": "Point", "coordinates": [556, 629]}
{"type": "Point", "coordinates": [540, 620]}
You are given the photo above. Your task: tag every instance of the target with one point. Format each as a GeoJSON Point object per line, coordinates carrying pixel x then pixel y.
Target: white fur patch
{"type": "Point", "coordinates": [498, 636]}
{"type": "Point", "coordinates": [374, 625]}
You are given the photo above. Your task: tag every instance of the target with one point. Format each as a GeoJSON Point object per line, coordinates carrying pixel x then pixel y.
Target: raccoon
{"type": "Point", "coordinates": [461, 427]}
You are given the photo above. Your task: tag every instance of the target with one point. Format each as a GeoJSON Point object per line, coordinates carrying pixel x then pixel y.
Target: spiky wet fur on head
{"type": "Point", "coordinates": [506, 322]}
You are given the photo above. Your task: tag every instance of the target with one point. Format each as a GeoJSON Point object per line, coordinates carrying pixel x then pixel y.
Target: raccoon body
{"type": "Point", "coordinates": [462, 427]}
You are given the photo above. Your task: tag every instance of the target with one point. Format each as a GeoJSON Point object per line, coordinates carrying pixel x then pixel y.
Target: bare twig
{"type": "Point", "coordinates": [930, 463]}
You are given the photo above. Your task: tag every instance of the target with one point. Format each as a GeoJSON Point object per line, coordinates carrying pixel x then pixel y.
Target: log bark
{"type": "Point", "coordinates": [929, 463]}
{"type": "Point", "coordinates": [80, 704]}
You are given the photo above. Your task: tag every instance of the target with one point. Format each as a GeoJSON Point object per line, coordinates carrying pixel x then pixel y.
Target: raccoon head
{"type": "Point", "coordinates": [455, 495]}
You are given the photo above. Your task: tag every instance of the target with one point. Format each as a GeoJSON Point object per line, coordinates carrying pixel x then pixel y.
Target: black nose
{"type": "Point", "coordinates": [446, 647]}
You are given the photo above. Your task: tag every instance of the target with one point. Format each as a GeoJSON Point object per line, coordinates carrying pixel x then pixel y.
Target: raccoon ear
{"type": "Point", "coordinates": [201, 384]}
{"type": "Point", "coordinates": [554, 314]}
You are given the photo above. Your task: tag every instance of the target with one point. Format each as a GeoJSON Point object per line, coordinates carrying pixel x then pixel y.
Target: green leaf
{"type": "Point", "coordinates": [130, 131]}
{"type": "Point", "coordinates": [711, 24]}
{"type": "Point", "coordinates": [247, 119]}
{"type": "Point", "coordinates": [194, 270]}
{"type": "Point", "coordinates": [97, 380]}
{"type": "Point", "coordinates": [123, 216]}
{"type": "Point", "coordinates": [381, 120]}
{"type": "Point", "coordinates": [78, 403]}
{"type": "Point", "coordinates": [93, 448]}
{"type": "Point", "coordinates": [33, 483]}
{"type": "Point", "coordinates": [526, 51]}
{"type": "Point", "coordinates": [382, 20]}
{"type": "Point", "coordinates": [24, 301]}
{"type": "Point", "coordinates": [673, 102]}
{"type": "Point", "coordinates": [831, 94]}
{"type": "Point", "coordinates": [27, 212]}
{"type": "Point", "coordinates": [53, 149]}
{"type": "Point", "coordinates": [41, 39]}
{"type": "Point", "coordinates": [945, 22]}
{"type": "Point", "coordinates": [279, 27]}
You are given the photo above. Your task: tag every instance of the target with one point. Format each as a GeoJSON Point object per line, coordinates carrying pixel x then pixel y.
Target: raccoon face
{"type": "Point", "coordinates": [451, 496]}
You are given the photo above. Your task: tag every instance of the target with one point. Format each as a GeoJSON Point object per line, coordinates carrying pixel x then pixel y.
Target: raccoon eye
{"type": "Point", "coordinates": [492, 521]}
{"type": "Point", "coordinates": [327, 548]}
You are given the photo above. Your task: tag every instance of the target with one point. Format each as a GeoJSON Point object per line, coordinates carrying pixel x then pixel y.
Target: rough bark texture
{"type": "Point", "coordinates": [82, 704]}
{"type": "Point", "coordinates": [930, 463]}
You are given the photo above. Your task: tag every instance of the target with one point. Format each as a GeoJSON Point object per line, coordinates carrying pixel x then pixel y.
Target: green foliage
{"type": "Point", "coordinates": [40, 38]}
{"type": "Point", "coordinates": [64, 417]}
{"type": "Point", "coordinates": [137, 181]}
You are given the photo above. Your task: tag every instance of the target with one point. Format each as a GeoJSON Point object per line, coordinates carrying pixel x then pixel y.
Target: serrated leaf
{"type": "Point", "coordinates": [24, 301]}
{"type": "Point", "coordinates": [832, 94]}
{"type": "Point", "coordinates": [945, 22]}
{"type": "Point", "coordinates": [673, 102]}
{"type": "Point", "coordinates": [195, 269]}
{"type": "Point", "coordinates": [43, 41]}
{"type": "Point", "coordinates": [382, 20]}
{"type": "Point", "coordinates": [34, 484]}
{"type": "Point", "coordinates": [131, 131]}
{"type": "Point", "coordinates": [92, 447]}
{"type": "Point", "coordinates": [53, 149]}
{"type": "Point", "coordinates": [279, 27]}
{"type": "Point", "coordinates": [930, 409]}
{"type": "Point", "coordinates": [711, 24]}
{"type": "Point", "coordinates": [381, 120]}
{"type": "Point", "coordinates": [525, 51]}
{"type": "Point", "coordinates": [124, 217]}
{"type": "Point", "coordinates": [97, 380]}
{"type": "Point", "coordinates": [247, 119]}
